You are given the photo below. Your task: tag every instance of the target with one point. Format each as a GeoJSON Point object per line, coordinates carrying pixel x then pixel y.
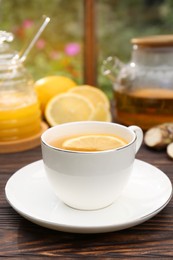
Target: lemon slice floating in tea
{"type": "Point", "coordinates": [68, 107]}
{"type": "Point", "coordinates": [93, 143]}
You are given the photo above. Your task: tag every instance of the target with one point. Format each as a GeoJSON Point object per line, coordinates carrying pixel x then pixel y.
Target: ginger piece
{"type": "Point", "coordinates": [169, 150]}
{"type": "Point", "coordinates": [160, 136]}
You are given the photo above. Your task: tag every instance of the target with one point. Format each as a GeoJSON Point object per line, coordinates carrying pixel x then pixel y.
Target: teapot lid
{"type": "Point", "coordinates": [154, 41]}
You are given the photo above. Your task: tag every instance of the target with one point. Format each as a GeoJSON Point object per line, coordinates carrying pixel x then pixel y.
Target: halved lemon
{"type": "Point", "coordinates": [68, 107]}
{"type": "Point", "coordinates": [93, 142]}
{"type": "Point", "coordinates": [95, 95]}
{"type": "Point", "coordinates": [50, 86]}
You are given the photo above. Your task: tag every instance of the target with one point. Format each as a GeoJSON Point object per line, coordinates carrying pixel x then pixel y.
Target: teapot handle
{"type": "Point", "coordinates": [111, 67]}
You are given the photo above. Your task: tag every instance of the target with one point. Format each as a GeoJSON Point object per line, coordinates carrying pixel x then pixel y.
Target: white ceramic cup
{"type": "Point", "coordinates": [89, 180]}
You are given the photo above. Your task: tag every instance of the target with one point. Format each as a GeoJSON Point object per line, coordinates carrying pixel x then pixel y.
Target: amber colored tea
{"type": "Point", "coordinates": [144, 107]}
{"type": "Point", "coordinates": [89, 142]}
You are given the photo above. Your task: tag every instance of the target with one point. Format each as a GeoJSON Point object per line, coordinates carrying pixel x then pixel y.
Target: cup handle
{"type": "Point", "coordinates": [139, 135]}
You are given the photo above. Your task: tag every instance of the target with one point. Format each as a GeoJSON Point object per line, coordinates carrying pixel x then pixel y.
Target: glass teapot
{"type": "Point", "coordinates": [143, 88]}
{"type": "Point", "coordinates": [19, 109]}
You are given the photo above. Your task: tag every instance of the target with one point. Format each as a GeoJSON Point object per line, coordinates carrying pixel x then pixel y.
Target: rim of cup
{"type": "Point", "coordinates": [49, 130]}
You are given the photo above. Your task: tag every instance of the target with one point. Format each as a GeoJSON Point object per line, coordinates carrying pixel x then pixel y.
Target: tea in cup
{"type": "Point", "coordinates": [88, 164]}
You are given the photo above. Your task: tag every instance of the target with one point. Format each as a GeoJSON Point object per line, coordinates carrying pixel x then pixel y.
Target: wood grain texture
{"type": "Point", "coordinates": [90, 43]}
{"type": "Point", "coordinates": [22, 239]}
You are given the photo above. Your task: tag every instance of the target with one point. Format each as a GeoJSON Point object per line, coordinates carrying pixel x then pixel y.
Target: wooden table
{"type": "Point", "coordinates": [22, 239]}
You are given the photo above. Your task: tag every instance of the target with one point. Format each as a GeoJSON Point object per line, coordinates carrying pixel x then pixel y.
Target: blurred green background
{"type": "Point", "coordinates": [60, 48]}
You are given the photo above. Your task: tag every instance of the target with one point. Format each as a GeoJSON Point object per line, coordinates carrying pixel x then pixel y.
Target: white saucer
{"type": "Point", "coordinates": [147, 193]}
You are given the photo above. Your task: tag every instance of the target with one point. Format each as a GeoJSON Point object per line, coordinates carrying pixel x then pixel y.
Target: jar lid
{"type": "Point", "coordinates": [6, 52]}
{"type": "Point", "coordinates": [6, 36]}
{"type": "Point", "coordinates": [154, 41]}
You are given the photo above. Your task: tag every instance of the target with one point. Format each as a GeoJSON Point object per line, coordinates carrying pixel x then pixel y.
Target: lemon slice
{"type": "Point", "coordinates": [95, 95]}
{"type": "Point", "coordinates": [102, 113]}
{"type": "Point", "coordinates": [93, 142]}
{"type": "Point", "coordinates": [68, 107]}
{"type": "Point", "coordinates": [50, 86]}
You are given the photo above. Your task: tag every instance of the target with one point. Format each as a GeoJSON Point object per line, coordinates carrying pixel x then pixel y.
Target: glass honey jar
{"type": "Point", "coordinates": [20, 116]}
